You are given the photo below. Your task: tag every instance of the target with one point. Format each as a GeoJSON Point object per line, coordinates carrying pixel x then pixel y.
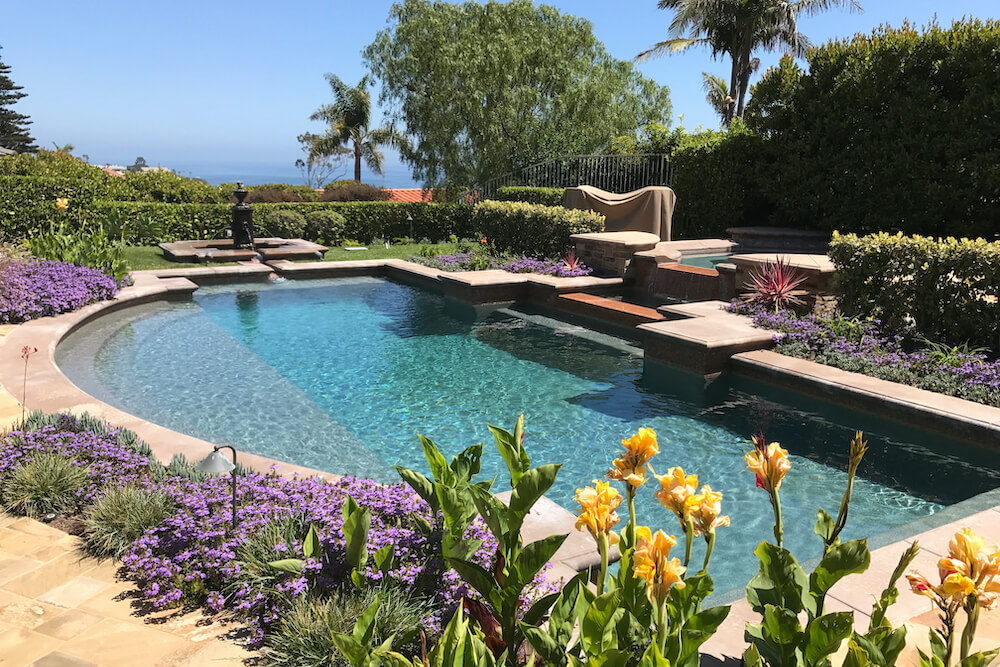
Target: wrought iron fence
{"type": "Point", "coordinates": [615, 173]}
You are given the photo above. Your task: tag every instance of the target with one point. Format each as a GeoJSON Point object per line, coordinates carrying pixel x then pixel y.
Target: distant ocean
{"type": "Point", "coordinates": [396, 176]}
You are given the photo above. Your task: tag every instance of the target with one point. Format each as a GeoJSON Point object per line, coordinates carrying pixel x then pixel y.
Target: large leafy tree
{"type": "Point", "coordinates": [738, 28]}
{"type": "Point", "coordinates": [349, 119]}
{"type": "Point", "coordinates": [484, 89]}
{"type": "Point", "coordinates": [13, 126]}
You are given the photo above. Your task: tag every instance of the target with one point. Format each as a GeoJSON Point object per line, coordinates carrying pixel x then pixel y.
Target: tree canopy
{"type": "Point", "coordinates": [484, 89]}
{"type": "Point", "coordinates": [13, 126]}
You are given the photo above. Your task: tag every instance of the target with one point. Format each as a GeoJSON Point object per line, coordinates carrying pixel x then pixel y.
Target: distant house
{"type": "Point", "coordinates": [7, 151]}
{"type": "Point", "coordinates": [410, 194]}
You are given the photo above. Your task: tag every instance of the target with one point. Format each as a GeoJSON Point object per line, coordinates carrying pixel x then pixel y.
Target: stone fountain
{"type": "Point", "coordinates": [241, 245]}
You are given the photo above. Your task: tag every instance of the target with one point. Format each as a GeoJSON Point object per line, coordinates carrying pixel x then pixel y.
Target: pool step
{"type": "Point", "coordinates": [610, 311]}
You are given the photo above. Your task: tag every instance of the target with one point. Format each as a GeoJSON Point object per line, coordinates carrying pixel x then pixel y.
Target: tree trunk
{"type": "Point", "coordinates": [734, 81]}
{"type": "Point", "coordinates": [744, 84]}
{"type": "Point", "coordinates": [357, 161]}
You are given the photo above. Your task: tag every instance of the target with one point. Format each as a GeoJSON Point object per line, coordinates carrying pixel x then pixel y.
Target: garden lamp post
{"type": "Point", "coordinates": [409, 219]}
{"type": "Point", "coordinates": [217, 464]}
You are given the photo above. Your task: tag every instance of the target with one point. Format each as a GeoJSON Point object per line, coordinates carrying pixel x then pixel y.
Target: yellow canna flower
{"type": "Point", "coordinates": [631, 466]}
{"type": "Point", "coordinates": [652, 563]}
{"type": "Point", "coordinates": [965, 546]}
{"type": "Point", "coordinates": [957, 586]}
{"type": "Point", "coordinates": [920, 585]}
{"type": "Point", "coordinates": [597, 510]}
{"type": "Point", "coordinates": [769, 463]}
{"type": "Point", "coordinates": [705, 508]}
{"type": "Point", "coordinates": [62, 203]}
{"type": "Point", "coordinates": [676, 491]}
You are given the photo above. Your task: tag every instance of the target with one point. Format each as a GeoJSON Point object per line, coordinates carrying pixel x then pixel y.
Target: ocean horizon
{"type": "Point", "coordinates": [396, 176]}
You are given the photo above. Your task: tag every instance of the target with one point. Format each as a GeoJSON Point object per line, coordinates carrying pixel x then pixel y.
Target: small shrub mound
{"type": "Point", "coordinates": [353, 191]}
{"type": "Point", "coordinates": [325, 226]}
{"type": "Point", "coordinates": [47, 484]}
{"type": "Point", "coordinates": [121, 517]}
{"type": "Point", "coordinates": [304, 636]}
{"type": "Point", "coordinates": [83, 247]}
{"type": "Point", "coordinates": [531, 229]}
{"type": "Point", "coordinates": [284, 223]}
{"type": "Point", "coordinates": [33, 289]}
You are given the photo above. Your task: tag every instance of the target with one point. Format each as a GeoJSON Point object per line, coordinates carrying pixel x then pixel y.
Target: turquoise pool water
{"type": "Point", "coordinates": [341, 374]}
{"type": "Point", "coordinates": [705, 261]}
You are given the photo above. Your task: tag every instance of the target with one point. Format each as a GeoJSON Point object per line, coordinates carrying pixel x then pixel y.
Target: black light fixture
{"type": "Point", "coordinates": [217, 464]}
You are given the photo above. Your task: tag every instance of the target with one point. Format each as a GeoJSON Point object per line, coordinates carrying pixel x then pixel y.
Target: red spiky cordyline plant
{"type": "Point", "coordinates": [775, 285]}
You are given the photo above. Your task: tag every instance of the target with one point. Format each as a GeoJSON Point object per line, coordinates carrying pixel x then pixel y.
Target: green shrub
{"type": "Point", "coordinates": [532, 229]}
{"type": "Point", "coordinates": [286, 223]}
{"type": "Point", "coordinates": [271, 196]}
{"type": "Point", "coordinates": [149, 223]}
{"type": "Point", "coordinates": [354, 191]}
{"type": "Point", "coordinates": [46, 484]}
{"type": "Point", "coordinates": [543, 196]}
{"type": "Point", "coordinates": [83, 247]}
{"type": "Point", "coordinates": [304, 635]}
{"type": "Point", "coordinates": [121, 517]}
{"type": "Point", "coordinates": [325, 226]}
{"type": "Point", "coordinates": [170, 188]}
{"type": "Point", "coordinates": [944, 289]}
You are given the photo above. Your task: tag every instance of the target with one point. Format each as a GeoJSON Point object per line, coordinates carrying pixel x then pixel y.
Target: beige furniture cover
{"type": "Point", "coordinates": [645, 210]}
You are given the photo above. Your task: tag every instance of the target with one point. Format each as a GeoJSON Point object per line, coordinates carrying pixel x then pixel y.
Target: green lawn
{"type": "Point", "coordinates": [151, 257]}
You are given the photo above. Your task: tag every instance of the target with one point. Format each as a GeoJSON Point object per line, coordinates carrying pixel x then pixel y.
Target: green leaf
{"type": "Point", "coordinates": [474, 575]}
{"type": "Point", "coordinates": [781, 626]}
{"type": "Point", "coordinates": [751, 657]}
{"type": "Point", "coordinates": [552, 651]}
{"type": "Point", "coordinates": [858, 657]}
{"type": "Point", "coordinates": [385, 558]}
{"type": "Point", "coordinates": [780, 580]}
{"type": "Point", "coordinates": [564, 614]}
{"type": "Point", "coordinates": [466, 464]}
{"type": "Point", "coordinates": [352, 650]}
{"type": "Point", "coordinates": [364, 627]}
{"type": "Point", "coordinates": [420, 484]}
{"type": "Point", "coordinates": [824, 525]}
{"type": "Point", "coordinates": [357, 522]}
{"type": "Point", "coordinates": [598, 628]}
{"type": "Point", "coordinates": [841, 560]}
{"type": "Point", "coordinates": [532, 486]}
{"type": "Point", "coordinates": [512, 451]}
{"type": "Point", "coordinates": [653, 658]}
{"type": "Point", "coordinates": [534, 556]}
{"type": "Point", "coordinates": [456, 509]}
{"type": "Point", "coordinates": [436, 462]}
{"type": "Point", "coordinates": [311, 546]}
{"type": "Point", "coordinates": [290, 565]}
{"type": "Point", "coordinates": [493, 511]}
{"type": "Point", "coordinates": [981, 659]}
{"type": "Point", "coordinates": [826, 633]}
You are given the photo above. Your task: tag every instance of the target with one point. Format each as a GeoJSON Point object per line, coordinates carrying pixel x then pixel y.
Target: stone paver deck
{"type": "Point", "coordinates": [59, 608]}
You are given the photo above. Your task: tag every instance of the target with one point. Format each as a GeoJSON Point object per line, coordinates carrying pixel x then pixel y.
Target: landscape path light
{"type": "Point", "coordinates": [217, 464]}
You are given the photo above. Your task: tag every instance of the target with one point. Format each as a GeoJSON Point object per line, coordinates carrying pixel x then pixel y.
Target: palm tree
{"type": "Point", "coordinates": [348, 118]}
{"type": "Point", "coordinates": [737, 28]}
{"type": "Point", "coordinates": [717, 94]}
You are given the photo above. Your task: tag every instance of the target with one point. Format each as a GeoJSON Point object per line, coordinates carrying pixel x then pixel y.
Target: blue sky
{"type": "Point", "coordinates": [221, 89]}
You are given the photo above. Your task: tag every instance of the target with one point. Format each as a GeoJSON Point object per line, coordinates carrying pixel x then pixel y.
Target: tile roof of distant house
{"type": "Point", "coordinates": [113, 172]}
{"type": "Point", "coordinates": [410, 194]}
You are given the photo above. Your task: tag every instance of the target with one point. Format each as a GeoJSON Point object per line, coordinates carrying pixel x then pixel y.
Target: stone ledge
{"type": "Point", "coordinates": [948, 415]}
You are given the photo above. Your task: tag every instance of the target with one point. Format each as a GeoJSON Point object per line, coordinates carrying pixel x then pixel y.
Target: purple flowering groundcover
{"type": "Point", "coordinates": [463, 261]}
{"type": "Point", "coordinates": [37, 288]}
{"type": "Point", "coordinates": [193, 557]}
{"type": "Point", "coordinates": [861, 347]}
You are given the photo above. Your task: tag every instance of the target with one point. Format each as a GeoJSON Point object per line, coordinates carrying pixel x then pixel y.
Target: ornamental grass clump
{"type": "Point", "coordinates": [48, 484]}
{"type": "Point", "coordinates": [122, 516]}
{"type": "Point", "coordinates": [304, 635]}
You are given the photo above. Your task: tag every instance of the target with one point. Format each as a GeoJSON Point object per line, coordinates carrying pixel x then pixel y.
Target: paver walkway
{"type": "Point", "coordinates": [61, 609]}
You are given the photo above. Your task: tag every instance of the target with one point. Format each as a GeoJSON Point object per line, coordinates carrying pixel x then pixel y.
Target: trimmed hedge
{"type": "Point", "coordinates": [531, 229]}
{"type": "Point", "coordinates": [529, 195]}
{"type": "Point", "coordinates": [943, 289]}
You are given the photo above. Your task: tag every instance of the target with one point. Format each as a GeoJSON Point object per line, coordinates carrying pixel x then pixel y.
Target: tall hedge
{"type": "Point", "coordinates": [892, 131]}
{"type": "Point", "coordinates": [946, 290]}
{"type": "Point", "coordinates": [531, 195]}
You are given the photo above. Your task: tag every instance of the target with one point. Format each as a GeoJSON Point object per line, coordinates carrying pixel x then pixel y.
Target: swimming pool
{"type": "Point", "coordinates": [705, 261]}
{"type": "Point", "coordinates": [340, 374]}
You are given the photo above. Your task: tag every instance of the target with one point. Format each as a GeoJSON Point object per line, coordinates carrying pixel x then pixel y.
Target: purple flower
{"type": "Point", "coordinates": [37, 288]}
